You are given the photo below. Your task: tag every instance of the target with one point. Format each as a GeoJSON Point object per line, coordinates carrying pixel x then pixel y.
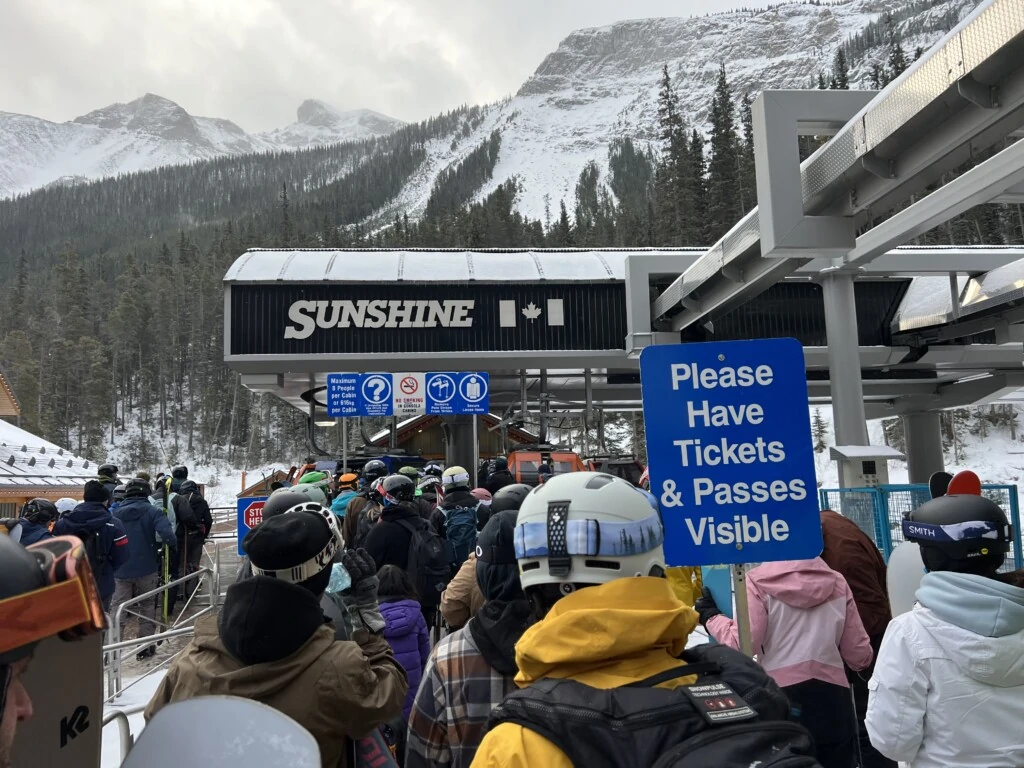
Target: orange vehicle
{"type": "Point", "coordinates": [524, 462]}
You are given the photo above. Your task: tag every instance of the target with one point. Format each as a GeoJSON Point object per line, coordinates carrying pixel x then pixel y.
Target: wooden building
{"type": "Point", "coordinates": [30, 468]}
{"type": "Point", "coordinates": [424, 436]}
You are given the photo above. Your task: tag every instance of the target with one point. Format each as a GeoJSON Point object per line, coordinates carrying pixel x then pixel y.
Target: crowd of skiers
{"type": "Point", "coordinates": [562, 647]}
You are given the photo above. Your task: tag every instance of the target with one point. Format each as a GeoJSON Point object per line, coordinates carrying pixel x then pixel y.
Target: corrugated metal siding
{"type": "Point", "coordinates": [594, 316]}
{"type": "Point", "coordinates": [796, 310]}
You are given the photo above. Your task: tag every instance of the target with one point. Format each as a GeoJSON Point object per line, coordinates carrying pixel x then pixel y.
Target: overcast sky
{"type": "Point", "coordinates": [254, 61]}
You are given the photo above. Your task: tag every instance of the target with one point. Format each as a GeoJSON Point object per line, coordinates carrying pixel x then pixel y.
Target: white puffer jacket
{"type": "Point", "coordinates": [948, 686]}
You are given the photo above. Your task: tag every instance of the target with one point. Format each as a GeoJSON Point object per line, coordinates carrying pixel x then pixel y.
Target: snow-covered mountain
{"type": "Point", "coordinates": [152, 131]}
{"type": "Point", "coordinates": [602, 83]}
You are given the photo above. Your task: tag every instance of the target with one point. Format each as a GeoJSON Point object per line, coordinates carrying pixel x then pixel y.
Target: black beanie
{"type": "Point", "coordinates": [96, 492]}
{"type": "Point", "coordinates": [497, 572]}
{"type": "Point", "coordinates": [288, 541]}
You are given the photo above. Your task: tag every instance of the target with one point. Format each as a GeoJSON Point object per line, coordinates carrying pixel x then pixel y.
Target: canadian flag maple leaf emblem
{"type": "Point", "coordinates": [531, 311]}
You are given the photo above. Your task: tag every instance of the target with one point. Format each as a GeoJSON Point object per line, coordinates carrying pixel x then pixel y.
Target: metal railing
{"type": "Point", "coordinates": [124, 729]}
{"type": "Point", "coordinates": [879, 512]}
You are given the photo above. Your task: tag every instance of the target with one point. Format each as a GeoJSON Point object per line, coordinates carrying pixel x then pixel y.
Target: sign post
{"type": "Point", "coordinates": [730, 455]}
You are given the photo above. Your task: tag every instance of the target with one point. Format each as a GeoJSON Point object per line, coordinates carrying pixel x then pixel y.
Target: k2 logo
{"type": "Point", "coordinates": [74, 726]}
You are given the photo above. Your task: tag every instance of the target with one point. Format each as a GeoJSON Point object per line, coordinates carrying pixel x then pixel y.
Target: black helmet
{"type": "Point", "coordinates": [433, 470]}
{"type": "Point", "coordinates": [283, 500]}
{"type": "Point", "coordinates": [189, 486]}
{"type": "Point", "coordinates": [108, 470]}
{"type": "Point", "coordinates": [20, 573]}
{"type": "Point", "coordinates": [374, 468]}
{"type": "Point", "coordinates": [180, 473]}
{"type": "Point", "coordinates": [397, 489]}
{"type": "Point", "coordinates": [500, 464]}
{"type": "Point", "coordinates": [119, 493]}
{"type": "Point", "coordinates": [40, 511]}
{"type": "Point", "coordinates": [509, 497]}
{"type": "Point", "coordinates": [137, 487]}
{"type": "Point", "coordinates": [962, 533]}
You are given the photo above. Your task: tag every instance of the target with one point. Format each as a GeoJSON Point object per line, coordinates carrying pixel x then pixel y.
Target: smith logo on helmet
{"type": "Point", "coordinates": [307, 316]}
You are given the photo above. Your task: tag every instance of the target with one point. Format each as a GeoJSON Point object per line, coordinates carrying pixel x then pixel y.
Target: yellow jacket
{"type": "Point", "coordinates": [605, 637]}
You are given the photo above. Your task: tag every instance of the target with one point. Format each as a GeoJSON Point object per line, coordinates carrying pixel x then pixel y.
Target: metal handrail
{"type": "Point", "coordinates": [114, 678]}
{"type": "Point", "coordinates": [123, 727]}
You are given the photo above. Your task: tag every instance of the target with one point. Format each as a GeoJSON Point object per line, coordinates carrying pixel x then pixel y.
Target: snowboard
{"type": "Point", "coordinates": [65, 682]}
{"type": "Point", "coordinates": [905, 571]}
{"type": "Point", "coordinates": [235, 733]}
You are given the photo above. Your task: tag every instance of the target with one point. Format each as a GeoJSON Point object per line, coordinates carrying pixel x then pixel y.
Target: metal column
{"type": "Point", "coordinates": [844, 359]}
{"type": "Point", "coordinates": [923, 433]}
{"type": "Point", "coordinates": [542, 431]}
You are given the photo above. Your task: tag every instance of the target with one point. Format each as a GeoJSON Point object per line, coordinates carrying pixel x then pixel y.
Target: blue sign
{"type": "Point", "coordinates": [250, 514]}
{"type": "Point", "coordinates": [457, 393]}
{"type": "Point", "coordinates": [730, 453]}
{"type": "Point", "coordinates": [389, 394]}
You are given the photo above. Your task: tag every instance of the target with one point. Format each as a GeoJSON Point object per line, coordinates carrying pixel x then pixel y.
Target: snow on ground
{"type": "Point", "coordinates": [133, 698]}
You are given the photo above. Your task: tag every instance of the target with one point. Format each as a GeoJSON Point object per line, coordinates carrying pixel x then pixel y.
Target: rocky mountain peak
{"type": "Point", "coordinates": [150, 114]}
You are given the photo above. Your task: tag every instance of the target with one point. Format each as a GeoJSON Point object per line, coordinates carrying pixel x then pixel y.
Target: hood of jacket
{"type": "Point", "coordinates": [849, 551]}
{"type": "Point", "coordinates": [799, 583]}
{"type": "Point", "coordinates": [340, 503]}
{"type": "Point", "coordinates": [133, 508]}
{"type": "Point", "coordinates": [401, 617]}
{"type": "Point", "coordinates": [265, 620]}
{"type": "Point", "coordinates": [32, 533]}
{"type": "Point", "coordinates": [87, 517]}
{"type": "Point", "coordinates": [978, 622]}
{"type": "Point", "coordinates": [496, 629]}
{"type": "Point", "coordinates": [608, 635]}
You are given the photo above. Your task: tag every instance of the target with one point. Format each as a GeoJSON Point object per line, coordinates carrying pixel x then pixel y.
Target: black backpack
{"type": "Point", "coordinates": [734, 716]}
{"type": "Point", "coordinates": [428, 561]}
{"type": "Point", "coordinates": [460, 528]}
{"type": "Point", "coordinates": [95, 551]}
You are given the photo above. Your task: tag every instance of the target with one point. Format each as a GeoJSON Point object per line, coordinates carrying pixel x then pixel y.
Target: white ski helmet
{"type": "Point", "coordinates": [455, 477]}
{"type": "Point", "coordinates": [587, 528]}
{"type": "Point", "coordinates": [314, 492]}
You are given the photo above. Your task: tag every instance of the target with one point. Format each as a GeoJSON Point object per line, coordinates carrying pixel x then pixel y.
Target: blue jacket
{"type": "Point", "coordinates": [340, 504]}
{"type": "Point", "coordinates": [33, 532]}
{"type": "Point", "coordinates": [93, 516]}
{"type": "Point", "coordinates": [143, 523]}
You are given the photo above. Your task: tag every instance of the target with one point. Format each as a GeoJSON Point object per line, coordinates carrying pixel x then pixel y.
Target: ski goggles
{"type": "Point", "coordinates": [970, 530]}
{"type": "Point", "coordinates": [461, 478]}
{"type": "Point", "coordinates": [318, 562]}
{"type": "Point", "coordinates": [559, 537]}
{"type": "Point", "coordinates": [68, 606]}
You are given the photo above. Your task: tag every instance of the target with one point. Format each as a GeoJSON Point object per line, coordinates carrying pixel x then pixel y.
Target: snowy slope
{"type": "Point", "coordinates": [602, 83]}
{"type": "Point", "coordinates": [153, 131]}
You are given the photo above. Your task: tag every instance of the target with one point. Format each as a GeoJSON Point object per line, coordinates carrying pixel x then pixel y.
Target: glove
{"type": "Point", "coordinates": [363, 571]}
{"type": "Point", "coordinates": [706, 607]}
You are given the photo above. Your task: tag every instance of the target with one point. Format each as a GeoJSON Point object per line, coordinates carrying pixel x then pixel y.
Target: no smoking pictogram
{"type": "Point", "coordinates": [409, 385]}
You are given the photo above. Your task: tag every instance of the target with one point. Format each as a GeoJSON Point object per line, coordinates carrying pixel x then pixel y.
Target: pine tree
{"type": "Point", "coordinates": [822, 85]}
{"type": "Point", "coordinates": [819, 431]}
{"type": "Point", "coordinates": [287, 232]}
{"type": "Point", "coordinates": [876, 76]}
{"type": "Point", "coordinates": [723, 169]}
{"type": "Point", "coordinates": [897, 61]}
{"type": "Point", "coordinates": [563, 230]}
{"type": "Point", "coordinates": [696, 192]}
{"type": "Point", "coordinates": [670, 185]}
{"type": "Point", "coordinates": [748, 176]}
{"type": "Point", "coordinates": [841, 70]}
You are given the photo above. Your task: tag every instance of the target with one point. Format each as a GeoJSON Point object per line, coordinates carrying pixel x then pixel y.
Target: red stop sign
{"type": "Point", "coordinates": [254, 514]}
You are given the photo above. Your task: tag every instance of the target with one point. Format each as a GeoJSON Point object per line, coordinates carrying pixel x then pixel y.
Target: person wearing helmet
{"type": "Point", "coordinates": [167, 496]}
{"type": "Point", "coordinates": [463, 598]}
{"type": "Point", "coordinates": [433, 469]}
{"type": "Point", "coordinates": [948, 686]}
{"type": "Point", "coordinates": [144, 525]}
{"type": "Point", "coordinates": [203, 525]}
{"type": "Point", "coordinates": [37, 518]}
{"type": "Point", "coordinates": [362, 515]}
{"type": "Point", "coordinates": [107, 476]}
{"type": "Point", "coordinates": [609, 641]}
{"type": "Point", "coordinates": [117, 496]}
{"type": "Point", "coordinates": [388, 540]}
{"type": "Point", "coordinates": [270, 643]}
{"type": "Point", "coordinates": [178, 476]}
{"type": "Point", "coordinates": [28, 617]}
{"type": "Point", "coordinates": [374, 469]}
{"type": "Point", "coordinates": [313, 491]}
{"type": "Point", "coordinates": [431, 491]}
{"type": "Point", "coordinates": [65, 506]}
{"type": "Point", "coordinates": [500, 476]}
{"type": "Point", "coordinates": [348, 486]}
{"type": "Point", "coordinates": [473, 669]}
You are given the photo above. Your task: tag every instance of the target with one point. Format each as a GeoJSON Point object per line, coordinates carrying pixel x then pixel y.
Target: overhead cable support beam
{"type": "Point", "coordinates": [979, 185]}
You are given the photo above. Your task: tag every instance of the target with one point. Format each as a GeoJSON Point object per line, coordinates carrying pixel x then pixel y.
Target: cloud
{"type": "Point", "coordinates": [254, 61]}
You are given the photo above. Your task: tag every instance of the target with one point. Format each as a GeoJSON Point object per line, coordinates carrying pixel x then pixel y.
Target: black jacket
{"type": "Point", "coordinates": [499, 480]}
{"type": "Point", "coordinates": [388, 541]}
{"type": "Point", "coordinates": [496, 629]}
{"type": "Point", "coordinates": [202, 520]}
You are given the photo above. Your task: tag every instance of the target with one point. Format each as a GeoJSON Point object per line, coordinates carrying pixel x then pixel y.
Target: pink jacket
{"type": "Point", "coordinates": [803, 622]}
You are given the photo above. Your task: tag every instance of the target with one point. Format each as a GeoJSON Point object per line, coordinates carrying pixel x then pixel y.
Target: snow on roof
{"type": "Point", "coordinates": [28, 460]}
{"type": "Point", "coordinates": [445, 266]}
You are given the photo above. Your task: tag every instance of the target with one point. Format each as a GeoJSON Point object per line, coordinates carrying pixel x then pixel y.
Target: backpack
{"type": "Point", "coordinates": [734, 716]}
{"type": "Point", "coordinates": [95, 551]}
{"type": "Point", "coordinates": [428, 561]}
{"type": "Point", "coordinates": [459, 533]}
